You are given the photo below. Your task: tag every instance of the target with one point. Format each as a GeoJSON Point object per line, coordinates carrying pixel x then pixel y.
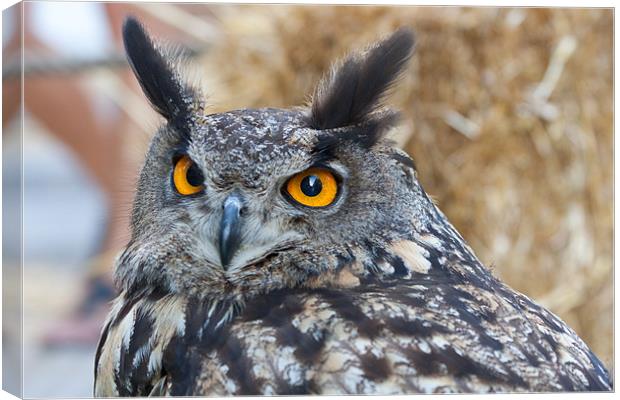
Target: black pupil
{"type": "Point", "coordinates": [194, 176]}
{"type": "Point", "coordinates": [311, 185]}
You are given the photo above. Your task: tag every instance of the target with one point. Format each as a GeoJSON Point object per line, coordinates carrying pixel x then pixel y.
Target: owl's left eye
{"type": "Point", "coordinates": [314, 187]}
{"type": "Point", "coordinates": [187, 177]}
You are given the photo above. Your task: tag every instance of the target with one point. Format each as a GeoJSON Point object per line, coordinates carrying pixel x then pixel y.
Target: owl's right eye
{"type": "Point", "coordinates": [187, 177]}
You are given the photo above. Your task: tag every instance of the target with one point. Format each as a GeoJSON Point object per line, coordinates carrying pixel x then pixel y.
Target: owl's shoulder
{"type": "Point", "coordinates": [395, 337]}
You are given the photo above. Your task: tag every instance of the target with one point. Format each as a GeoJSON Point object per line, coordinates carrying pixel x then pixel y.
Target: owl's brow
{"type": "Point", "coordinates": [365, 135]}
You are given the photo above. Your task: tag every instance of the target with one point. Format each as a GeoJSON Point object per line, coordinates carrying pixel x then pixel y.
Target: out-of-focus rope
{"type": "Point", "coordinates": [202, 31]}
{"type": "Point", "coordinates": [41, 65]}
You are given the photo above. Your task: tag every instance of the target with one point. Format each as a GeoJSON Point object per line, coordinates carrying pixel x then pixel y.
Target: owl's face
{"type": "Point", "coordinates": [252, 200]}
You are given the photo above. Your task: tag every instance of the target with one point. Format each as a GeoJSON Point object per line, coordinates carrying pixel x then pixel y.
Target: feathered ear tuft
{"type": "Point", "coordinates": [354, 90]}
{"type": "Point", "coordinates": [157, 77]}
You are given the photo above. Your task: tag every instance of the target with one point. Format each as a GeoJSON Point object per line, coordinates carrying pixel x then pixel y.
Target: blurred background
{"type": "Point", "coordinates": [507, 112]}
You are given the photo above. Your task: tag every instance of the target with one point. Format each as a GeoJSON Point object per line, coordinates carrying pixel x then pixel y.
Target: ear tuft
{"type": "Point", "coordinates": [353, 92]}
{"type": "Point", "coordinates": [156, 76]}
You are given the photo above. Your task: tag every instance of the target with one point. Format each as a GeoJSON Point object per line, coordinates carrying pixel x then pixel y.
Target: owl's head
{"type": "Point", "coordinates": [256, 199]}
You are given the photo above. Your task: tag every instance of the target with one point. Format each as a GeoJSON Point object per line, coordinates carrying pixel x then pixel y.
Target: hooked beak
{"type": "Point", "coordinates": [230, 228]}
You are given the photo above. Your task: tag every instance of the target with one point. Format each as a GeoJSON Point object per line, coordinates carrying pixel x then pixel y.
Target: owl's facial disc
{"type": "Point", "coordinates": [244, 237]}
{"type": "Point", "coordinates": [312, 188]}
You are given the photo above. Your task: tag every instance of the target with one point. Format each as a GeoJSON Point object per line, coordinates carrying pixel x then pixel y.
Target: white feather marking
{"type": "Point", "coordinates": [211, 309]}
{"type": "Point", "coordinates": [170, 321]}
{"type": "Point", "coordinates": [440, 342]}
{"type": "Point", "coordinates": [225, 318]}
{"type": "Point", "coordinates": [127, 327]}
{"type": "Point", "coordinates": [155, 358]}
{"type": "Point", "coordinates": [424, 347]}
{"type": "Point", "coordinates": [413, 255]}
{"type": "Point", "coordinates": [431, 240]}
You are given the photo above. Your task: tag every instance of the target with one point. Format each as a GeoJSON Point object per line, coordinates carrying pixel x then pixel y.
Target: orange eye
{"type": "Point", "coordinates": [315, 187]}
{"type": "Point", "coordinates": [187, 176]}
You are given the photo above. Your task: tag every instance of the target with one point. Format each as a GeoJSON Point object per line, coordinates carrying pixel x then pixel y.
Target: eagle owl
{"type": "Point", "coordinates": [291, 251]}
